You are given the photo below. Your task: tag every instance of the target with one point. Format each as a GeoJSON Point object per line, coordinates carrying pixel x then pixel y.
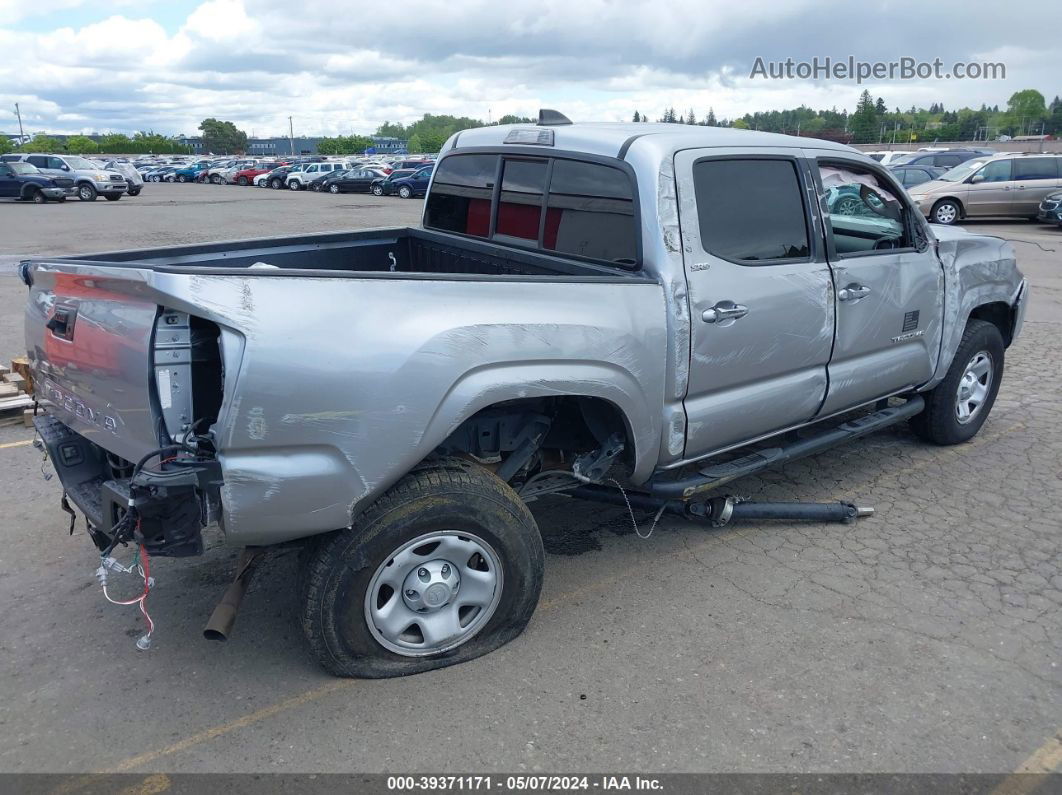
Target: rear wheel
{"type": "Point", "coordinates": [113, 197]}
{"type": "Point", "coordinates": [945, 212]}
{"type": "Point", "coordinates": [182, 178]}
{"type": "Point", "coordinates": [315, 187]}
{"type": "Point", "coordinates": [959, 405]}
{"type": "Point", "coordinates": [294, 185]}
{"type": "Point", "coordinates": [405, 192]}
{"type": "Point", "coordinates": [241, 181]}
{"type": "Point", "coordinates": [443, 568]}
{"type": "Point", "coordinates": [276, 184]}
{"type": "Point", "coordinates": [37, 197]}
{"type": "Point", "coordinates": [86, 192]}
{"type": "Point", "coordinates": [135, 192]}
{"type": "Point", "coordinates": [333, 188]}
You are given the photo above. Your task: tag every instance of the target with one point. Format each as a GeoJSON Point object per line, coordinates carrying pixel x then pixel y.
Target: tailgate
{"type": "Point", "coordinates": [90, 337]}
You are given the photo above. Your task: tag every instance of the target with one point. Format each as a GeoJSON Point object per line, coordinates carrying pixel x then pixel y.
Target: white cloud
{"type": "Point", "coordinates": [257, 61]}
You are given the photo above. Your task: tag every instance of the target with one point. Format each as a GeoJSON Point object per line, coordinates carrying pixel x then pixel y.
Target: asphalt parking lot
{"type": "Point", "coordinates": [924, 639]}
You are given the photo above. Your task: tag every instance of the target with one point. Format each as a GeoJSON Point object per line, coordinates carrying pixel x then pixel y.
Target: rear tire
{"type": "Point", "coordinates": [294, 185]}
{"type": "Point", "coordinates": [241, 181]}
{"type": "Point", "coordinates": [113, 197]}
{"type": "Point", "coordinates": [37, 197]}
{"type": "Point", "coordinates": [958, 406]}
{"type": "Point", "coordinates": [342, 578]}
{"type": "Point", "coordinates": [405, 192]}
{"type": "Point", "coordinates": [333, 188]}
{"type": "Point", "coordinates": [276, 184]}
{"type": "Point", "coordinates": [182, 178]}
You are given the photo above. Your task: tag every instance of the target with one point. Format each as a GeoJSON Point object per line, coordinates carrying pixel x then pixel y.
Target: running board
{"type": "Point", "coordinates": [716, 475]}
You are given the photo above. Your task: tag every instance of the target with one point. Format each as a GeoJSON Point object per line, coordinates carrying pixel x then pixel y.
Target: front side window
{"type": "Point", "coordinates": [996, 171]}
{"type": "Point", "coordinates": [461, 194]}
{"type": "Point", "coordinates": [864, 213]}
{"type": "Point", "coordinates": [1036, 168]}
{"type": "Point", "coordinates": [751, 211]}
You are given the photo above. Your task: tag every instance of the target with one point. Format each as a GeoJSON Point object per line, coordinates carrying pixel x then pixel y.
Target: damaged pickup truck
{"type": "Point", "coordinates": [617, 312]}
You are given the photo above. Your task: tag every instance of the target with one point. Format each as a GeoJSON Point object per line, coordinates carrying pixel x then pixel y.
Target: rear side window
{"type": "Point", "coordinates": [1036, 167]}
{"type": "Point", "coordinates": [751, 211]}
{"type": "Point", "coordinates": [461, 194]}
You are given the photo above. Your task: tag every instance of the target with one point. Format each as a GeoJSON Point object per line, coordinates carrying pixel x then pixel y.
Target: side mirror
{"type": "Point", "coordinates": [976, 178]}
{"type": "Point", "coordinates": [66, 167]}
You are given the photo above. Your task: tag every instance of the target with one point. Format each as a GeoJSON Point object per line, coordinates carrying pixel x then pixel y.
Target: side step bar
{"type": "Point", "coordinates": [712, 476]}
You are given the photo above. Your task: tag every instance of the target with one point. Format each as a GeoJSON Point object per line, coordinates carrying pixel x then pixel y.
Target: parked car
{"type": "Point", "coordinates": [941, 158]}
{"type": "Point", "coordinates": [22, 181]}
{"type": "Point", "coordinates": [1008, 184]}
{"type": "Point", "coordinates": [382, 186]}
{"type": "Point", "coordinates": [909, 176]}
{"type": "Point", "coordinates": [133, 178]}
{"type": "Point", "coordinates": [415, 164]}
{"type": "Point", "coordinates": [1050, 211]}
{"type": "Point", "coordinates": [246, 176]}
{"type": "Point", "coordinates": [589, 341]}
{"type": "Point", "coordinates": [297, 180]}
{"type": "Point", "coordinates": [191, 173]}
{"type": "Point", "coordinates": [91, 179]}
{"type": "Point", "coordinates": [416, 184]}
{"type": "Point", "coordinates": [888, 158]}
{"type": "Point", "coordinates": [356, 180]}
{"type": "Point", "coordinates": [159, 174]}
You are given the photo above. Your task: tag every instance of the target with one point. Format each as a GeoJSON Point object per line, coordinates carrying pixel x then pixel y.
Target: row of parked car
{"type": "Point", "coordinates": [40, 178]}
{"type": "Point", "coordinates": [406, 178]}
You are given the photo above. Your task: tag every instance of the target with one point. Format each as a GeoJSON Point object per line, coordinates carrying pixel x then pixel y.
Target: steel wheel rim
{"type": "Point", "coordinates": [946, 213]}
{"type": "Point", "coordinates": [433, 593]}
{"type": "Point", "coordinates": [974, 386]}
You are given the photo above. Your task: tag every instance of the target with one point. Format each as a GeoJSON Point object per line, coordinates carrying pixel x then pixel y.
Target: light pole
{"type": "Point", "coordinates": [21, 134]}
{"type": "Point", "coordinates": [291, 136]}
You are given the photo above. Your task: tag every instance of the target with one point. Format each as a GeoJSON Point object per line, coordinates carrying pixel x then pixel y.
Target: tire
{"type": "Point", "coordinates": [217, 179]}
{"type": "Point", "coordinates": [942, 422]}
{"type": "Point", "coordinates": [156, 178]}
{"type": "Point", "coordinates": [945, 212]}
{"type": "Point", "coordinates": [333, 189]}
{"type": "Point", "coordinates": [241, 181]}
{"type": "Point", "coordinates": [113, 197]}
{"type": "Point", "coordinates": [315, 187]}
{"type": "Point", "coordinates": [135, 192]}
{"type": "Point", "coordinates": [276, 184]}
{"type": "Point", "coordinates": [182, 178]}
{"type": "Point", "coordinates": [37, 197]}
{"type": "Point", "coordinates": [466, 508]}
{"type": "Point", "coordinates": [405, 192]}
{"type": "Point", "coordinates": [294, 185]}
{"type": "Point", "coordinates": [377, 190]}
{"type": "Point", "coordinates": [87, 192]}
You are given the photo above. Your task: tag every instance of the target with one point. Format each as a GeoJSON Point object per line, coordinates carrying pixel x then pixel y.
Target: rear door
{"type": "Point", "coordinates": [888, 285]}
{"type": "Point", "coordinates": [1034, 178]}
{"type": "Point", "coordinates": [760, 295]}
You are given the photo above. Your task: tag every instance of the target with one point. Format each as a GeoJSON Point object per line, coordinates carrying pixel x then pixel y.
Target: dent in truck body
{"type": "Point", "coordinates": [978, 270]}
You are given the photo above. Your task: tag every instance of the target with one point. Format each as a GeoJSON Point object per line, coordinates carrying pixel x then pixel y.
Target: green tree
{"type": "Point", "coordinates": [1029, 102]}
{"type": "Point", "coordinates": [81, 145]}
{"type": "Point", "coordinates": [511, 118]}
{"type": "Point", "coordinates": [117, 144]}
{"type": "Point", "coordinates": [414, 144]}
{"type": "Point", "coordinates": [637, 117]}
{"type": "Point", "coordinates": [40, 143]}
{"type": "Point", "coordinates": [222, 137]}
{"type": "Point", "coordinates": [864, 123]}
{"type": "Point", "coordinates": [6, 145]}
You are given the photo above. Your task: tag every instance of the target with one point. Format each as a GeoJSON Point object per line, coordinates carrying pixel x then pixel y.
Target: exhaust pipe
{"type": "Point", "coordinates": [219, 627]}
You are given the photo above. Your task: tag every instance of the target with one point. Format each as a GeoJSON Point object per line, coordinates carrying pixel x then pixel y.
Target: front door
{"type": "Point", "coordinates": [888, 284]}
{"type": "Point", "coordinates": [989, 191]}
{"type": "Point", "coordinates": [760, 295]}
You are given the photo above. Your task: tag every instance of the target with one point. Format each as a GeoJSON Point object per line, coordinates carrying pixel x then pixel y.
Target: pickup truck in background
{"type": "Point", "coordinates": [586, 306]}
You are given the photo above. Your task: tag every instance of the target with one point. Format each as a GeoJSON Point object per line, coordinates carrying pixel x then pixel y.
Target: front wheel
{"type": "Point", "coordinates": [443, 568]}
{"type": "Point", "coordinates": [182, 178]}
{"type": "Point", "coordinates": [276, 184]}
{"type": "Point", "coordinates": [86, 192]}
{"type": "Point", "coordinates": [405, 192]}
{"type": "Point", "coordinates": [294, 185]}
{"type": "Point", "coordinates": [134, 192]}
{"type": "Point", "coordinates": [377, 190]}
{"type": "Point", "coordinates": [958, 406]}
{"type": "Point", "coordinates": [945, 212]}
{"type": "Point", "coordinates": [37, 197]}
{"type": "Point", "coordinates": [333, 189]}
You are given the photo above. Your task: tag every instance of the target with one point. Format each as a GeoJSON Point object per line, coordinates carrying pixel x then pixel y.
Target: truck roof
{"type": "Point", "coordinates": [609, 139]}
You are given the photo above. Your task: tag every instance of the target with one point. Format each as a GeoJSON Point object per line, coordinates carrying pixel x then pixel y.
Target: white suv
{"type": "Point", "coordinates": [297, 180]}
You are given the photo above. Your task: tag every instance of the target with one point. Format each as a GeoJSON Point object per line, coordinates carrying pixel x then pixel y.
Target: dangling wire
{"type": "Point", "coordinates": [143, 568]}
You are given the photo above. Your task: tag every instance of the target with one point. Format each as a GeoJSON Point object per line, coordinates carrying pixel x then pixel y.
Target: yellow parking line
{"type": "Point", "coordinates": [16, 444]}
{"type": "Point", "coordinates": [319, 692]}
{"type": "Point", "coordinates": [1030, 774]}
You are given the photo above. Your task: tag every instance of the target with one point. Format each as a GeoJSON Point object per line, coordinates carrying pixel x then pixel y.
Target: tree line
{"type": "Point", "coordinates": [1026, 113]}
{"type": "Point", "coordinates": [142, 143]}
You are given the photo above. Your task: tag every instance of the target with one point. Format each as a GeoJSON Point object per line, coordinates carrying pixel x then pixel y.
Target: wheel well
{"type": "Point", "coordinates": [573, 425]}
{"type": "Point", "coordinates": [999, 315]}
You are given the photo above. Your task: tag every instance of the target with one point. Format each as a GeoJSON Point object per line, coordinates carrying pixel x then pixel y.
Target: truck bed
{"type": "Point", "coordinates": [397, 251]}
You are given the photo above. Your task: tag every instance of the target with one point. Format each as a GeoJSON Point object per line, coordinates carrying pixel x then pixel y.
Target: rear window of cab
{"type": "Point", "coordinates": [553, 204]}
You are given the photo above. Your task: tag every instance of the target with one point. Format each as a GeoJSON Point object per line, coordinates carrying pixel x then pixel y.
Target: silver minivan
{"type": "Point", "coordinates": [91, 179]}
{"type": "Point", "coordinates": [1012, 184]}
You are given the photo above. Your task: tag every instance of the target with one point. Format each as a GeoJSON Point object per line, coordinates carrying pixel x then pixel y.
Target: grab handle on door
{"type": "Point", "coordinates": [724, 310]}
{"type": "Point", "coordinates": [853, 292]}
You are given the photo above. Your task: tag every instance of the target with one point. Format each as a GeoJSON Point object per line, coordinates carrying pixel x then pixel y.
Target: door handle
{"type": "Point", "coordinates": [853, 292]}
{"type": "Point", "coordinates": [724, 310]}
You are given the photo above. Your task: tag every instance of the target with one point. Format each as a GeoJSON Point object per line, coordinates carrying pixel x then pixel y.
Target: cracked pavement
{"type": "Point", "coordinates": [926, 638]}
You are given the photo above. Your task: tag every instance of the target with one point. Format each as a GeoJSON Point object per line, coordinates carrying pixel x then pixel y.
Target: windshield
{"type": "Point", "coordinates": [961, 171]}
{"type": "Point", "coordinates": [24, 168]}
{"type": "Point", "coordinates": [81, 164]}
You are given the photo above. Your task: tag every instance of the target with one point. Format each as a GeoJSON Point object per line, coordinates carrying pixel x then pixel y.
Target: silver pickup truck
{"type": "Point", "coordinates": [587, 307]}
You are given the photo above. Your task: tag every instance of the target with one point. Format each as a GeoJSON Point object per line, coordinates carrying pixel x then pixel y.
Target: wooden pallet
{"type": "Point", "coordinates": [16, 393]}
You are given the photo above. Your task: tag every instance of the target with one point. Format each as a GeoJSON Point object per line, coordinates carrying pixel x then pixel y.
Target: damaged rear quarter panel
{"type": "Point", "coordinates": [344, 384]}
